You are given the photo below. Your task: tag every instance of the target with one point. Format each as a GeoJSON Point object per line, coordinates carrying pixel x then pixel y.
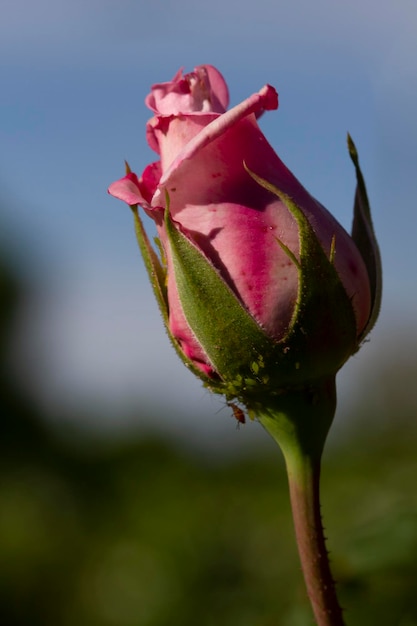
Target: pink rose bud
{"type": "Point", "coordinates": [260, 287]}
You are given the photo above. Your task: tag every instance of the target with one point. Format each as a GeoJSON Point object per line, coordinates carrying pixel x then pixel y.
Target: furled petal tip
{"type": "Point", "coordinates": [264, 100]}
{"type": "Point", "coordinates": [269, 97]}
{"type": "Point", "coordinates": [202, 90]}
{"type": "Point", "coordinates": [127, 189]}
{"type": "Point", "coordinates": [134, 190]}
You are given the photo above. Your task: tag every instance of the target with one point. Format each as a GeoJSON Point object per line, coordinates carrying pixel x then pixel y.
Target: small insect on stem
{"type": "Point", "coordinates": [238, 414]}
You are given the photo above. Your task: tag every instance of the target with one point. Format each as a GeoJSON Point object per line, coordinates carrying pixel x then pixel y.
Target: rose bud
{"type": "Point", "coordinates": [261, 289]}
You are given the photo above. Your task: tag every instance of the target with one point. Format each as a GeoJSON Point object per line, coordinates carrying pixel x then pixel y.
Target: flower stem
{"type": "Point", "coordinates": [305, 502]}
{"type": "Point", "coordinates": [299, 422]}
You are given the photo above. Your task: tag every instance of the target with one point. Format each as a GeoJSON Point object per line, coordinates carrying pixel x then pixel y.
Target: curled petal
{"type": "Point", "coordinates": [203, 90]}
{"type": "Point", "coordinates": [127, 189]}
{"type": "Point", "coordinates": [266, 99]}
{"type": "Point", "coordinates": [134, 190]}
{"type": "Point", "coordinates": [218, 89]}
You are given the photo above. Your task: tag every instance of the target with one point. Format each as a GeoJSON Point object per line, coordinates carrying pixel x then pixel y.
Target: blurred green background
{"type": "Point", "coordinates": [147, 531]}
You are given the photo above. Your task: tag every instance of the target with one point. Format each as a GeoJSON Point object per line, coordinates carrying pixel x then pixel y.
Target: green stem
{"type": "Point", "coordinates": [299, 422]}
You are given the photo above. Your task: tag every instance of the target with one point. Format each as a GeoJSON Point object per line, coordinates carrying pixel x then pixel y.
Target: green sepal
{"type": "Point", "coordinates": [229, 335]}
{"type": "Point", "coordinates": [158, 279]}
{"type": "Point", "coordinates": [322, 333]}
{"type": "Point", "coordinates": [363, 235]}
{"type": "Point", "coordinates": [156, 271]}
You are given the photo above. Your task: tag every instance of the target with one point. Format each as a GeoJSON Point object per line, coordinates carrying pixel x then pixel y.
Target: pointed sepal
{"type": "Point", "coordinates": [322, 332]}
{"type": "Point", "coordinates": [363, 235]}
{"type": "Point", "coordinates": [155, 269]}
{"type": "Point", "coordinates": [231, 339]}
{"type": "Point", "coordinates": [158, 277]}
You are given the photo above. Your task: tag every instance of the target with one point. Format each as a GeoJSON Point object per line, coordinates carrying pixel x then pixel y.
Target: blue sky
{"type": "Point", "coordinates": [73, 79]}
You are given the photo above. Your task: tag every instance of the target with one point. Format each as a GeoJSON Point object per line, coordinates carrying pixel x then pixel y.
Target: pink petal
{"type": "Point", "coordinates": [127, 189]}
{"type": "Point", "coordinates": [218, 88]}
{"type": "Point", "coordinates": [201, 91]}
{"type": "Point", "coordinates": [150, 179]}
{"type": "Point", "coordinates": [265, 99]}
{"type": "Point", "coordinates": [134, 190]}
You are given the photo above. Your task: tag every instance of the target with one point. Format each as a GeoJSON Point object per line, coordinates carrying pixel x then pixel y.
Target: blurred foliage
{"type": "Point", "coordinates": [139, 533]}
